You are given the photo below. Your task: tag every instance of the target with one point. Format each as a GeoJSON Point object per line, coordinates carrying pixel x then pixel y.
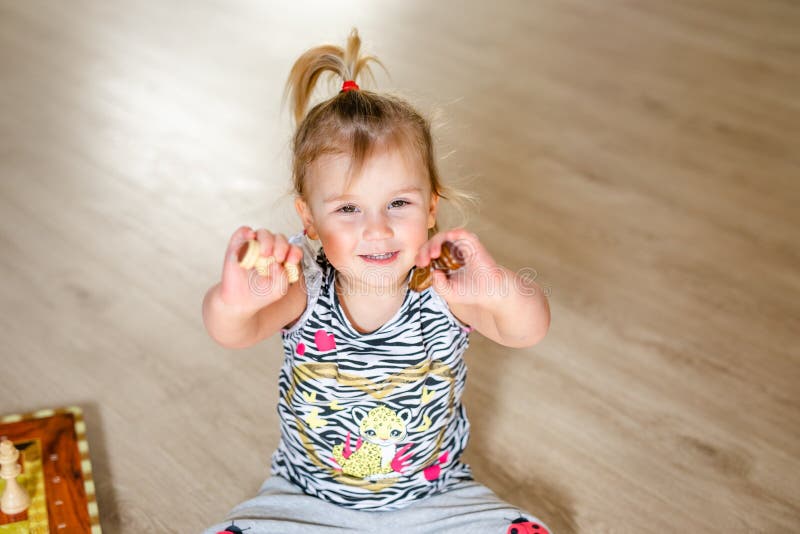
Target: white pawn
{"type": "Point", "coordinates": [249, 256]}
{"type": "Point", "coordinates": [15, 499]}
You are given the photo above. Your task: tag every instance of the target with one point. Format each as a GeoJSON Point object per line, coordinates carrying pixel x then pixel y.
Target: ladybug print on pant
{"type": "Point", "coordinates": [233, 529]}
{"type": "Point", "coordinates": [525, 526]}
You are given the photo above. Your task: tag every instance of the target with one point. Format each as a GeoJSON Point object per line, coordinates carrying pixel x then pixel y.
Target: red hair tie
{"type": "Point", "coordinates": [349, 85]}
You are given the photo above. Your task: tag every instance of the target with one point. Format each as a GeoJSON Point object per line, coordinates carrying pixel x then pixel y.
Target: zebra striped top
{"type": "Point", "coordinates": [371, 421]}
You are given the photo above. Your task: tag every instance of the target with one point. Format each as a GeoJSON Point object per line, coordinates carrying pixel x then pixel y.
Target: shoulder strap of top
{"type": "Point", "coordinates": [313, 264]}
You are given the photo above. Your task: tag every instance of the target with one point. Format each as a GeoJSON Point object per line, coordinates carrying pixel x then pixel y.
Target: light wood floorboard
{"type": "Point", "coordinates": [642, 156]}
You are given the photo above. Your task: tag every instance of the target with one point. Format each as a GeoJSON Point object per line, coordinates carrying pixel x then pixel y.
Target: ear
{"type": "Point", "coordinates": [358, 415]}
{"type": "Point", "coordinates": [308, 219]}
{"type": "Point", "coordinates": [432, 211]}
{"type": "Point", "coordinates": [405, 415]}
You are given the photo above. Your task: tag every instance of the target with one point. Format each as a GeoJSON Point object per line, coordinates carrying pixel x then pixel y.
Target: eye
{"type": "Point", "coordinates": [395, 433]}
{"type": "Point", "coordinates": [371, 433]}
{"type": "Point", "coordinates": [403, 203]}
{"type": "Point", "coordinates": [347, 208]}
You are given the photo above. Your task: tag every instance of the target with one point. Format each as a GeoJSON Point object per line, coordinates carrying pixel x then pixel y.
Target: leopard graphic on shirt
{"type": "Point", "coordinates": [376, 451]}
{"type": "Point", "coordinates": [371, 421]}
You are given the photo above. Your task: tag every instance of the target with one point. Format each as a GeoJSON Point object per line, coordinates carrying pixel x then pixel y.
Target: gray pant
{"type": "Point", "coordinates": [469, 507]}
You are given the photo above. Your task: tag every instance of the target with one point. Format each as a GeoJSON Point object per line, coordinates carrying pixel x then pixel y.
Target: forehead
{"type": "Point", "coordinates": [382, 172]}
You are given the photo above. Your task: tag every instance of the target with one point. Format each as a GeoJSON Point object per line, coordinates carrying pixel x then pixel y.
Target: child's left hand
{"type": "Point", "coordinates": [479, 282]}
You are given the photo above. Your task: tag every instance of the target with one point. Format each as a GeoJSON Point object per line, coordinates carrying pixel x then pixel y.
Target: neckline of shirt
{"type": "Point", "coordinates": [337, 306]}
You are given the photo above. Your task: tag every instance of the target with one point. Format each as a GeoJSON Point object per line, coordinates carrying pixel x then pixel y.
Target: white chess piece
{"type": "Point", "coordinates": [15, 499]}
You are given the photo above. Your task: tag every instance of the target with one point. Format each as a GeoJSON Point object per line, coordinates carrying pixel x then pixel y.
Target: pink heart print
{"type": "Point", "coordinates": [301, 349]}
{"type": "Point", "coordinates": [324, 341]}
{"type": "Point", "coordinates": [432, 472]}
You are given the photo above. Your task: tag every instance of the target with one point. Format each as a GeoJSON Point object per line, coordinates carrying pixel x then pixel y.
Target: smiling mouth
{"type": "Point", "coordinates": [380, 257]}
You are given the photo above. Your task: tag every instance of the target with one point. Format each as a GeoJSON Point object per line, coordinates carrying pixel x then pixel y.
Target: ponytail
{"type": "Point", "coordinates": [343, 63]}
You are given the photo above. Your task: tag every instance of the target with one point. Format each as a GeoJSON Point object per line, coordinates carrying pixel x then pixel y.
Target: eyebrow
{"type": "Point", "coordinates": [338, 198]}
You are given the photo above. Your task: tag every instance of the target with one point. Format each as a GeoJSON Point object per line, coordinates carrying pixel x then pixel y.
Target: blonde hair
{"type": "Point", "coordinates": [355, 122]}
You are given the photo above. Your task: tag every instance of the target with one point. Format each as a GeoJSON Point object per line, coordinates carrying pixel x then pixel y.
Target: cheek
{"type": "Point", "coordinates": [339, 242]}
{"type": "Point", "coordinates": [414, 228]}
{"type": "Point", "coordinates": [411, 219]}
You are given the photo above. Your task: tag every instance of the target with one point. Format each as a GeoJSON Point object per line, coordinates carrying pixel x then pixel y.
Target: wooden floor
{"type": "Point", "coordinates": [642, 156]}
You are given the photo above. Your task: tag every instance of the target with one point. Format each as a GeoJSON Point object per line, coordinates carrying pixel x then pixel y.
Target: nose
{"type": "Point", "coordinates": [377, 227]}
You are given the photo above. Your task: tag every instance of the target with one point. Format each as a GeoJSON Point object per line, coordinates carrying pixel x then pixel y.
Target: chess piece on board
{"type": "Point", "coordinates": [249, 256]}
{"type": "Point", "coordinates": [15, 499]}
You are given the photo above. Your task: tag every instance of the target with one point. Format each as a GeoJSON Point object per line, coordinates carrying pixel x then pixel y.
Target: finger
{"type": "Point", "coordinates": [242, 231]}
{"type": "Point", "coordinates": [436, 244]}
{"type": "Point", "coordinates": [280, 248]}
{"type": "Point", "coordinates": [294, 255]}
{"type": "Point", "coordinates": [466, 243]}
{"type": "Point", "coordinates": [425, 254]}
{"type": "Point", "coordinates": [455, 236]}
{"type": "Point", "coordinates": [292, 266]}
{"type": "Point", "coordinates": [266, 241]}
{"type": "Point", "coordinates": [238, 238]}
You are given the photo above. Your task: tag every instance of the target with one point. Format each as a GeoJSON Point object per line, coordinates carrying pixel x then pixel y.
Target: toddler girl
{"type": "Point", "coordinates": [372, 425]}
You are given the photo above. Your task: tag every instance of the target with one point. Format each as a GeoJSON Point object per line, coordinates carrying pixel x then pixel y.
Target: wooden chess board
{"type": "Point", "coordinates": [56, 473]}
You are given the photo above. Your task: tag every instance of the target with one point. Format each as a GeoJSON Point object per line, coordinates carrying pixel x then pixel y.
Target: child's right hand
{"type": "Point", "coordinates": [247, 291]}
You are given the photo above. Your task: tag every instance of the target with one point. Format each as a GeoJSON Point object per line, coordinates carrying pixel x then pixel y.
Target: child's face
{"type": "Point", "coordinates": [388, 208]}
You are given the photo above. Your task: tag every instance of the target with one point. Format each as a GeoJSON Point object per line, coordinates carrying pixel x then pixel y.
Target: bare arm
{"type": "Point", "coordinates": [496, 302]}
{"type": "Point", "coordinates": [226, 325]}
{"type": "Point", "coordinates": [237, 329]}
{"type": "Point", "coordinates": [517, 316]}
